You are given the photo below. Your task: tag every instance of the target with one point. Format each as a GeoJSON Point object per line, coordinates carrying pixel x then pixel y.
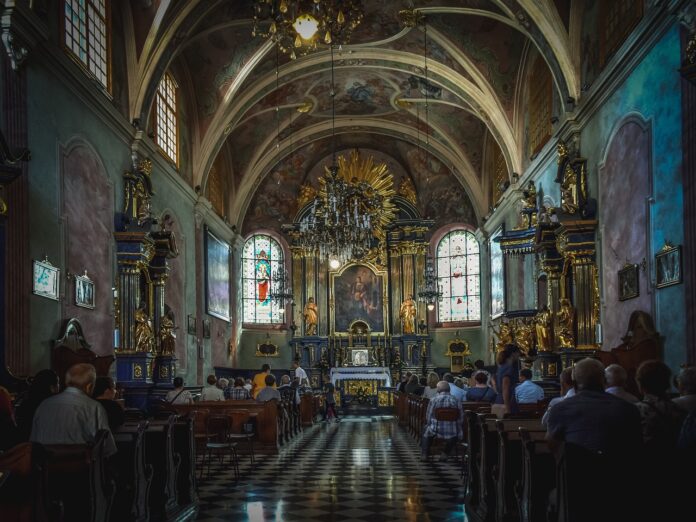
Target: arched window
{"type": "Point", "coordinates": [261, 257]}
{"type": "Point", "coordinates": [459, 276]}
{"type": "Point", "coordinates": [166, 118]}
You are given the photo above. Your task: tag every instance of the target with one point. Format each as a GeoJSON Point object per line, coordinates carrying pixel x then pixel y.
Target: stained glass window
{"type": "Point", "coordinates": [85, 29]}
{"type": "Point", "coordinates": [261, 258]}
{"type": "Point", "coordinates": [165, 117]}
{"type": "Point", "coordinates": [458, 272]}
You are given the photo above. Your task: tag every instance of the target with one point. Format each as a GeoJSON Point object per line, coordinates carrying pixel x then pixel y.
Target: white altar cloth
{"type": "Point", "coordinates": [364, 373]}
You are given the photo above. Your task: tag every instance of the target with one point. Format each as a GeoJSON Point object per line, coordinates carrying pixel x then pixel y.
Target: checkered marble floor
{"type": "Point", "coordinates": [361, 469]}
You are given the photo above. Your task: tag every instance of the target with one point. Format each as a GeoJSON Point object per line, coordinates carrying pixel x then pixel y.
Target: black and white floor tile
{"type": "Point", "coordinates": [361, 469]}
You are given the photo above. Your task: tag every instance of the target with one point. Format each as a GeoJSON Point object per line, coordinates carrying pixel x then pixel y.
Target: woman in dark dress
{"type": "Point", "coordinates": [104, 393]}
{"type": "Point", "coordinates": [506, 379]}
{"type": "Point", "coordinates": [44, 384]}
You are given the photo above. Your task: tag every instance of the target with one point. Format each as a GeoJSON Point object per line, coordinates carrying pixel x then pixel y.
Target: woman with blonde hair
{"type": "Point", "coordinates": [431, 389]}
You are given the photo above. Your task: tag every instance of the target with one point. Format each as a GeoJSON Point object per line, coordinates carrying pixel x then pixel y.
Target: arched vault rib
{"type": "Point", "coordinates": [462, 169]}
{"type": "Point", "coordinates": [486, 107]}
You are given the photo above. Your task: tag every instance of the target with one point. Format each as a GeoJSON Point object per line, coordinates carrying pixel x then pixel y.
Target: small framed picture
{"type": "Point", "coordinates": [668, 263]}
{"type": "Point", "coordinates": [84, 291]}
{"type": "Point", "coordinates": [46, 280]}
{"type": "Point", "coordinates": [191, 325]}
{"type": "Point", "coordinates": [206, 328]}
{"type": "Point", "coordinates": [628, 282]}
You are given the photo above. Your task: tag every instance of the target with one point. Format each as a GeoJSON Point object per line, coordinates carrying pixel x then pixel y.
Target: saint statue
{"type": "Point", "coordinates": [524, 335]}
{"type": "Point", "coordinates": [407, 313]}
{"type": "Point", "coordinates": [543, 323]}
{"type": "Point", "coordinates": [529, 199]}
{"type": "Point", "coordinates": [566, 319]}
{"type": "Point", "coordinates": [167, 335]}
{"type": "Point", "coordinates": [144, 336]}
{"type": "Point", "coordinates": [504, 335]}
{"type": "Point", "coordinates": [311, 317]}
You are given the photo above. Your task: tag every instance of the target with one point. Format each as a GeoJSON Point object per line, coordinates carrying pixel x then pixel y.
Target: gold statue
{"type": "Point", "coordinates": [167, 335]}
{"type": "Point", "coordinates": [524, 335]}
{"type": "Point", "coordinates": [311, 317]}
{"type": "Point", "coordinates": [529, 196]}
{"type": "Point", "coordinates": [144, 337]}
{"type": "Point", "coordinates": [544, 323]}
{"type": "Point", "coordinates": [407, 313]}
{"type": "Point", "coordinates": [566, 319]}
{"type": "Point", "coordinates": [407, 190]}
{"type": "Point", "coordinates": [504, 335]}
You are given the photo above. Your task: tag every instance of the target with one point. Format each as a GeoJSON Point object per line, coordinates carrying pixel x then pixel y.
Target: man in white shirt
{"type": "Point", "coordinates": [299, 372]}
{"type": "Point", "coordinates": [616, 377]}
{"type": "Point", "coordinates": [567, 390]}
{"type": "Point", "coordinates": [526, 391]}
{"type": "Point", "coordinates": [73, 417]}
{"type": "Point", "coordinates": [212, 392]}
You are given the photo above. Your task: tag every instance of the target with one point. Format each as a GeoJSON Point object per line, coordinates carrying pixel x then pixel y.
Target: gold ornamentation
{"type": "Point", "coordinates": [504, 336]}
{"type": "Point", "coordinates": [307, 194]}
{"type": "Point", "coordinates": [306, 107]}
{"type": "Point", "coordinates": [410, 17]}
{"type": "Point", "coordinates": [144, 336]}
{"type": "Point", "coordinates": [167, 335]}
{"type": "Point", "coordinates": [138, 192]}
{"type": "Point", "coordinates": [311, 315]}
{"type": "Point", "coordinates": [408, 191]}
{"type": "Point", "coordinates": [524, 335]}
{"type": "Point", "coordinates": [566, 323]}
{"type": "Point", "coordinates": [150, 366]}
{"type": "Point", "coordinates": [164, 372]}
{"type": "Point", "coordinates": [137, 371]}
{"type": "Point", "coordinates": [690, 53]}
{"type": "Point", "coordinates": [407, 313]}
{"type": "Point", "coordinates": [403, 103]}
{"type": "Point", "coordinates": [3, 203]}
{"type": "Point", "coordinates": [544, 330]}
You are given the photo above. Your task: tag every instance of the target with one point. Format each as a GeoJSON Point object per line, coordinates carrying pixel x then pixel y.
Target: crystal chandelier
{"type": "Point", "coordinates": [298, 26]}
{"type": "Point", "coordinates": [280, 291]}
{"type": "Point", "coordinates": [431, 291]}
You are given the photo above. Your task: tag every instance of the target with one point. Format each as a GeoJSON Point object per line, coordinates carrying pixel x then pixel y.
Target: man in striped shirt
{"type": "Point", "coordinates": [451, 431]}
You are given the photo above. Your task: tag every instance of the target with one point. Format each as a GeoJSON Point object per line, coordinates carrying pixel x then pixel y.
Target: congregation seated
{"type": "Point", "coordinates": [223, 384]}
{"type": "Point", "coordinates": [179, 395]}
{"type": "Point", "coordinates": [269, 391]}
{"type": "Point", "coordinates": [212, 392]}
{"type": "Point", "coordinates": [286, 391]}
{"type": "Point", "coordinates": [430, 389]}
{"type": "Point", "coordinates": [72, 416]}
{"type": "Point", "coordinates": [238, 392]}
{"type": "Point", "coordinates": [45, 384]}
{"type": "Point", "coordinates": [412, 385]}
{"type": "Point", "coordinates": [9, 434]}
{"type": "Point", "coordinates": [527, 392]}
{"type": "Point", "coordinates": [616, 378]}
{"type": "Point", "coordinates": [450, 430]}
{"type": "Point", "coordinates": [479, 366]}
{"type": "Point", "coordinates": [454, 390]}
{"type": "Point", "coordinates": [567, 390]}
{"type": "Point", "coordinates": [248, 385]}
{"type": "Point", "coordinates": [405, 378]}
{"type": "Point", "coordinates": [105, 393]}
{"type": "Point", "coordinates": [687, 389]}
{"type": "Point", "coordinates": [594, 419]}
{"type": "Point", "coordinates": [259, 382]}
{"type": "Point", "coordinates": [481, 391]}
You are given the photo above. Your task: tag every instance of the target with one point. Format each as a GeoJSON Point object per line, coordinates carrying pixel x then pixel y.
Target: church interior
{"type": "Point", "coordinates": [343, 259]}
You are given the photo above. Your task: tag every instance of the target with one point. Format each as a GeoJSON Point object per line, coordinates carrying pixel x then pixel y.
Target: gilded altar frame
{"type": "Point", "coordinates": [381, 274]}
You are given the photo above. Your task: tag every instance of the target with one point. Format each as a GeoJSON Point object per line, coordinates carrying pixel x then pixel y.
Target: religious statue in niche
{"type": "Point", "coordinates": [263, 277]}
{"type": "Point", "coordinates": [407, 313]}
{"type": "Point", "coordinates": [566, 317]}
{"type": "Point", "coordinates": [524, 335]}
{"type": "Point", "coordinates": [311, 317]}
{"type": "Point", "coordinates": [543, 324]}
{"type": "Point", "coordinates": [167, 335]}
{"type": "Point", "coordinates": [144, 336]}
{"type": "Point", "coordinates": [138, 187]}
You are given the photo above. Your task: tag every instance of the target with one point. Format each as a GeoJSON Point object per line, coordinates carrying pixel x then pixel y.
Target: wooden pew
{"type": "Point", "coordinates": [19, 499]}
{"type": "Point", "coordinates": [159, 451]}
{"type": "Point", "coordinates": [184, 445]}
{"type": "Point", "coordinates": [508, 470]}
{"type": "Point", "coordinates": [310, 405]}
{"type": "Point", "coordinates": [538, 477]}
{"type": "Point", "coordinates": [134, 475]}
{"type": "Point", "coordinates": [266, 414]}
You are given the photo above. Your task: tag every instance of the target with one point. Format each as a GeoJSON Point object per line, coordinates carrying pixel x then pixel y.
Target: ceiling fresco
{"type": "Point", "coordinates": [234, 82]}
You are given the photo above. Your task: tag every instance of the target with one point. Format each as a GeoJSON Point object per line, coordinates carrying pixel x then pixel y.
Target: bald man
{"type": "Point", "coordinates": [451, 431]}
{"type": "Point", "coordinates": [592, 418]}
{"type": "Point", "coordinates": [73, 417]}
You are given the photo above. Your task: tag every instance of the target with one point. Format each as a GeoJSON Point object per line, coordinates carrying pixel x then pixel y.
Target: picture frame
{"type": "Point", "coordinates": [629, 282]}
{"type": "Point", "coordinates": [668, 266]}
{"type": "Point", "coordinates": [46, 280]}
{"type": "Point", "coordinates": [267, 349]}
{"type": "Point", "coordinates": [191, 325]}
{"type": "Point", "coordinates": [84, 291]}
{"type": "Point", "coordinates": [359, 357]}
{"type": "Point", "coordinates": [206, 328]}
{"type": "Point", "coordinates": [217, 277]}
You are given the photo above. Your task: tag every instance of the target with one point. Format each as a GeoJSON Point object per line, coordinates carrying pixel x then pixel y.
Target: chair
{"type": "Point", "coordinates": [445, 415]}
{"type": "Point", "coordinates": [218, 430]}
{"type": "Point", "coordinates": [242, 429]}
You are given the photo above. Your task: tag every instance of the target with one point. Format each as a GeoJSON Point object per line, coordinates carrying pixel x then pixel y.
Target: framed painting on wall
{"type": "Point", "coordinates": [46, 279]}
{"type": "Point", "coordinates": [668, 263]}
{"type": "Point", "coordinates": [217, 277]}
{"type": "Point", "coordinates": [358, 293]}
{"type": "Point", "coordinates": [628, 282]}
{"type": "Point", "coordinates": [84, 291]}
{"type": "Point", "coordinates": [497, 275]}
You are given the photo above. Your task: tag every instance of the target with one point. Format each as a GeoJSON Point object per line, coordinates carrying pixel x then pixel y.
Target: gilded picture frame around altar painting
{"type": "Point", "coordinates": [668, 266]}
{"type": "Point", "coordinates": [629, 282]}
{"type": "Point", "coordinates": [351, 298]}
{"type": "Point", "coordinates": [46, 280]}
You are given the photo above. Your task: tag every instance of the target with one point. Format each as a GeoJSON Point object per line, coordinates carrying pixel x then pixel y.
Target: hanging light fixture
{"type": "Point", "coordinates": [281, 292]}
{"type": "Point", "coordinates": [298, 26]}
{"type": "Point", "coordinates": [431, 291]}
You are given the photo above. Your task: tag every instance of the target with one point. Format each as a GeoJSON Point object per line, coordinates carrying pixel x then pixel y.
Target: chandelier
{"type": "Point", "coordinates": [298, 26]}
{"type": "Point", "coordinates": [432, 291]}
{"type": "Point", "coordinates": [280, 290]}
{"type": "Point", "coordinates": [351, 211]}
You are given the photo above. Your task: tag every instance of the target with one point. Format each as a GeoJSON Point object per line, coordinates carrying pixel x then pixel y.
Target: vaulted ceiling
{"type": "Point", "coordinates": [259, 110]}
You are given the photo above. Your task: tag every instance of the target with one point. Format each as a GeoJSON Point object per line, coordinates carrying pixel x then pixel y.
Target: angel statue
{"type": "Point", "coordinates": [543, 324]}
{"type": "Point", "coordinates": [144, 336]}
{"type": "Point", "coordinates": [524, 335]}
{"type": "Point", "coordinates": [504, 335]}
